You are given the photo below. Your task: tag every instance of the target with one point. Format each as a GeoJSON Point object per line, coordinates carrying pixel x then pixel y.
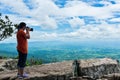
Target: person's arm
{"type": "Point", "coordinates": [27, 33]}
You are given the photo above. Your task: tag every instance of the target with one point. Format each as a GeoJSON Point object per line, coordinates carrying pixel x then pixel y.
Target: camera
{"type": "Point", "coordinates": [31, 29]}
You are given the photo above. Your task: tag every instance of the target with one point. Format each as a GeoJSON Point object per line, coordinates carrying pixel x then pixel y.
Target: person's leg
{"type": "Point", "coordinates": [21, 71]}
{"type": "Point", "coordinates": [21, 63]}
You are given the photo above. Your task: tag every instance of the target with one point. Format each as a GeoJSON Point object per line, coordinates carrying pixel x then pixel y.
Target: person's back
{"type": "Point", "coordinates": [22, 44]}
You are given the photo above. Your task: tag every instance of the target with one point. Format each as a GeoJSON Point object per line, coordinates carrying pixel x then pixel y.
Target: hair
{"type": "Point", "coordinates": [21, 25]}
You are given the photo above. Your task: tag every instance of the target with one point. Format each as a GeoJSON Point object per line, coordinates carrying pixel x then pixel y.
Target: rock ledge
{"type": "Point", "coordinates": [91, 69]}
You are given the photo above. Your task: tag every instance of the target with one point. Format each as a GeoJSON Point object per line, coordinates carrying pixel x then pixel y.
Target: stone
{"type": "Point", "coordinates": [8, 64]}
{"type": "Point", "coordinates": [52, 71]}
{"type": "Point", "coordinates": [97, 68]}
{"type": "Point", "coordinates": [91, 69]}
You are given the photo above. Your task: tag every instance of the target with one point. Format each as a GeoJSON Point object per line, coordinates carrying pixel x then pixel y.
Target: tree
{"type": "Point", "coordinates": [7, 28]}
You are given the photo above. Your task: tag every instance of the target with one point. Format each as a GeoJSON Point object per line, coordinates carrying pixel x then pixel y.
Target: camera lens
{"type": "Point", "coordinates": [31, 29]}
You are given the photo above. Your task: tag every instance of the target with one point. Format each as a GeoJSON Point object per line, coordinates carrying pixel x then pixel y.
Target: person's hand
{"type": "Point", "coordinates": [27, 29]}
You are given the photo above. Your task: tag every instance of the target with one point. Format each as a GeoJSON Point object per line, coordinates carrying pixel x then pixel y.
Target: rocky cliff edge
{"type": "Point", "coordinates": [91, 69]}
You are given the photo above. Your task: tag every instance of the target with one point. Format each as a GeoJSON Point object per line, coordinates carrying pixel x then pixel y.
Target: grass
{"type": "Point", "coordinates": [30, 62]}
{"type": "Point", "coordinates": [33, 61]}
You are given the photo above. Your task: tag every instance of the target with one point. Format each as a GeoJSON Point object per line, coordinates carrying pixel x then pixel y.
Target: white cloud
{"type": "Point", "coordinates": [49, 23]}
{"type": "Point", "coordinates": [47, 15]}
{"type": "Point", "coordinates": [17, 6]}
{"type": "Point", "coordinates": [76, 22]}
{"type": "Point", "coordinates": [83, 9]}
{"type": "Point", "coordinates": [72, 8]}
{"type": "Point", "coordinates": [101, 32]}
{"type": "Point", "coordinates": [43, 36]}
{"type": "Point", "coordinates": [115, 20]}
{"type": "Point", "coordinates": [39, 15]}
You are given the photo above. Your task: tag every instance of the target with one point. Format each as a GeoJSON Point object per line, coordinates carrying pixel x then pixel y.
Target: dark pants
{"type": "Point", "coordinates": [22, 59]}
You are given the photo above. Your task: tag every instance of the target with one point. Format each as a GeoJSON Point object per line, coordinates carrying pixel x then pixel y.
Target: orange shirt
{"type": "Point", "coordinates": [22, 44]}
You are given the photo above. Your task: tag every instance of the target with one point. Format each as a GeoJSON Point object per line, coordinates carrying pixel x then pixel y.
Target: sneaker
{"type": "Point", "coordinates": [19, 76]}
{"type": "Point", "coordinates": [25, 75]}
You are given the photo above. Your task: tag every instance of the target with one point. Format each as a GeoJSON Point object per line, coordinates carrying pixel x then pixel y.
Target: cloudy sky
{"type": "Point", "coordinates": [66, 20]}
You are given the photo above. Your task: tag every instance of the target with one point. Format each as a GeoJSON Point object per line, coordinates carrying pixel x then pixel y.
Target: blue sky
{"type": "Point", "coordinates": [66, 20]}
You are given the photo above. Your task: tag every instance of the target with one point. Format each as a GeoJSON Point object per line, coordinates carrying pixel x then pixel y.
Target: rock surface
{"type": "Point", "coordinates": [97, 68]}
{"type": "Point", "coordinates": [92, 69]}
{"type": "Point", "coordinates": [52, 71]}
{"type": "Point", "coordinates": [8, 64]}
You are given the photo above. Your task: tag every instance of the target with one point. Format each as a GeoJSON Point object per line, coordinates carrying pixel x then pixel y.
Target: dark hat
{"type": "Point", "coordinates": [21, 25]}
